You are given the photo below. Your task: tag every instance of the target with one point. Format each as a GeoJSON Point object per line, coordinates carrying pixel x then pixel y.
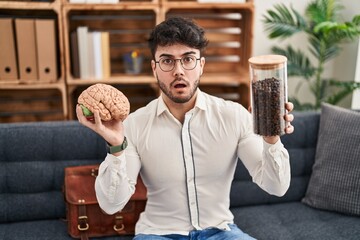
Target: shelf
{"type": "Point", "coordinates": [30, 85]}
{"type": "Point", "coordinates": [228, 26]}
{"type": "Point", "coordinates": [21, 5]}
{"type": "Point", "coordinates": [115, 79]}
{"type": "Point", "coordinates": [20, 104]}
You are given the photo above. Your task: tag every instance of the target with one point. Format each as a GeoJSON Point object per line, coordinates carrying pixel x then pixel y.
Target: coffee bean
{"type": "Point", "coordinates": [268, 107]}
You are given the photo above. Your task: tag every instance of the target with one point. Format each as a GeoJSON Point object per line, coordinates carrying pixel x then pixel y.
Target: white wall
{"type": "Point", "coordinates": [342, 68]}
{"type": "Point", "coordinates": [355, 103]}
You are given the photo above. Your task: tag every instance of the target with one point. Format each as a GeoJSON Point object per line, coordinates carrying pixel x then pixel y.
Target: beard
{"type": "Point", "coordinates": [181, 99]}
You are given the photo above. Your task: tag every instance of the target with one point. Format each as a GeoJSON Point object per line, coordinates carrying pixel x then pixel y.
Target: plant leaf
{"type": "Point", "coordinates": [338, 32]}
{"type": "Point", "coordinates": [298, 64]}
{"type": "Point", "coordinates": [319, 11]}
{"type": "Point", "coordinates": [322, 49]}
{"type": "Point", "coordinates": [283, 22]}
{"type": "Point", "coordinates": [346, 89]}
{"type": "Point", "coordinates": [356, 20]}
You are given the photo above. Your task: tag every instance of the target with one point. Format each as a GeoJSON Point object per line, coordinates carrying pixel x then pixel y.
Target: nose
{"type": "Point", "coordinates": [178, 69]}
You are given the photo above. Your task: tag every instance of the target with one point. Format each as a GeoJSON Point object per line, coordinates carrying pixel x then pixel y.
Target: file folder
{"type": "Point", "coordinates": [8, 65]}
{"type": "Point", "coordinates": [26, 46]}
{"type": "Point", "coordinates": [46, 49]}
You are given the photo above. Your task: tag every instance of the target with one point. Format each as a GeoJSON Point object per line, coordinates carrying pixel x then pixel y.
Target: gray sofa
{"type": "Point", "coordinates": [33, 157]}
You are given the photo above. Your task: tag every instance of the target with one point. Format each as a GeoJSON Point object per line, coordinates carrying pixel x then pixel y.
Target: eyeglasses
{"type": "Point", "coordinates": [167, 64]}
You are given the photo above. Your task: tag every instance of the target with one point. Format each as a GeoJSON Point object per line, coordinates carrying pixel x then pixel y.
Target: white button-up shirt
{"type": "Point", "coordinates": [188, 168]}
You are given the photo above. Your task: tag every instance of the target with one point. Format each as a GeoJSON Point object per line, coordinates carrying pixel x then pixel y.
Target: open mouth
{"type": "Point", "coordinates": [180, 85]}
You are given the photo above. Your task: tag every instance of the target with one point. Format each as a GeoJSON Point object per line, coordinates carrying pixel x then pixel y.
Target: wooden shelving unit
{"type": "Point", "coordinates": [229, 28]}
{"type": "Point", "coordinates": [43, 10]}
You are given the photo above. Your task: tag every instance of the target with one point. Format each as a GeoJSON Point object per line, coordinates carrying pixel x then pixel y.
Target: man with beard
{"type": "Point", "coordinates": [185, 145]}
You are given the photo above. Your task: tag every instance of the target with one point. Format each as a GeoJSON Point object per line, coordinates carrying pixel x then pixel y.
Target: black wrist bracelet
{"type": "Point", "coordinates": [117, 148]}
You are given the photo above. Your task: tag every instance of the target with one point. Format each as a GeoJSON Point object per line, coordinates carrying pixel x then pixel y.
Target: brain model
{"type": "Point", "coordinates": [109, 101]}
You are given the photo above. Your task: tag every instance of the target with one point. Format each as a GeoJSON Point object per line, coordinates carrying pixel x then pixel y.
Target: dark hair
{"type": "Point", "coordinates": [177, 30]}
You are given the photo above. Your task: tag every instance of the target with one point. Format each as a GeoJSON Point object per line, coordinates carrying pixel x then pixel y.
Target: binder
{"type": "Point", "coordinates": [8, 65]}
{"type": "Point", "coordinates": [26, 46]}
{"type": "Point", "coordinates": [46, 49]}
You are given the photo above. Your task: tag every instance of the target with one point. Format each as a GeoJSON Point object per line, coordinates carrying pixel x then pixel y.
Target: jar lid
{"type": "Point", "coordinates": [267, 61]}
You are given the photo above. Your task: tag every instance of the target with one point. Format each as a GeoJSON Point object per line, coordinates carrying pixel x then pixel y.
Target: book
{"type": "Point", "coordinates": [97, 49]}
{"type": "Point", "coordinates": [91, 62]}
{"type": "Point", "coordinates": [83, 51]}
{"type": "Point", "coordinates": [74, 51]}
{"type": "Point", "coordinates": [105, 51]}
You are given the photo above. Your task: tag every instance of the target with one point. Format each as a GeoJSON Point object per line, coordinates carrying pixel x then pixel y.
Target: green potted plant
{"type": "Point", "coordinates": [325, 34]}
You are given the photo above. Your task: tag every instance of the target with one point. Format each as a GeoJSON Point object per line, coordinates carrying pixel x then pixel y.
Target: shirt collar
{"type": "Point", "coordinates": [200, 103]}
{"type": "Point", "coordinates": [200, 100]}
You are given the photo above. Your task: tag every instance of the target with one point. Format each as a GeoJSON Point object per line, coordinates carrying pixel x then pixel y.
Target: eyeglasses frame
{"type": "Point", "coordinates": [181, 63]}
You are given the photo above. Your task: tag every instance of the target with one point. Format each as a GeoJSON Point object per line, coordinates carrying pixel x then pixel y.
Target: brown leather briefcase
{"type": "Point", "coordinates": [84, 216]}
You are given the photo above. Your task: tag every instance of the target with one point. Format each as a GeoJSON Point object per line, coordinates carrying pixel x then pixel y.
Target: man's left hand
{"type": "Point", "coordinates": [288, 128]}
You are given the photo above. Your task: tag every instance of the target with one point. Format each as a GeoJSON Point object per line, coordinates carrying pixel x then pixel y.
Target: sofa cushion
{"type": "Point", "coordinates": [335, 181]}
{"type": "Point", "coordinates": [294, 220]}
{"type": "Point", "coordinates": [45, 141]}
{"type": "Point", "coordinates": [42, 230]}
{"type": "Point", "coordinates": [33, 157]}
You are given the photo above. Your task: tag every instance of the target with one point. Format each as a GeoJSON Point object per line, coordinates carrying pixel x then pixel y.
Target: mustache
{"type": "Point", "coordinates": [179, 79]}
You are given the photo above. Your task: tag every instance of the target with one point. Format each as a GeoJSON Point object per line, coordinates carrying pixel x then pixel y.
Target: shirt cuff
{"type": "Point", "coordinates": [277, 153]}
{"type": "Point", "coordinates": [114, 164]}
{"type": "Point", "coordinates": [273, 149]}
{"type": "Point", "coordinates": [115, 168]}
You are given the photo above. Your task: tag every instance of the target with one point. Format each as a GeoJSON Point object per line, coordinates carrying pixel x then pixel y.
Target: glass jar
{"type": "Point", "coordinates": [268, 75]}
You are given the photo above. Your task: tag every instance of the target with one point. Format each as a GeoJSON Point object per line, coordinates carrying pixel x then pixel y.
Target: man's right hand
{"type": "Point", "coordinates": [112, 131]}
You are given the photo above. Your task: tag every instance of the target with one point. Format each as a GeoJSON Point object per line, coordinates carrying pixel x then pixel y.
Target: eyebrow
{"type": "Point", "coordinates": [184, 54]}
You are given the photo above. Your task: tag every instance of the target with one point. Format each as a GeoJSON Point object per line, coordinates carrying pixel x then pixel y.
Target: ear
{"type": "Point", "coordinates": [202, 64]}
{"type": "Point", "coordinates": [153, 67]}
